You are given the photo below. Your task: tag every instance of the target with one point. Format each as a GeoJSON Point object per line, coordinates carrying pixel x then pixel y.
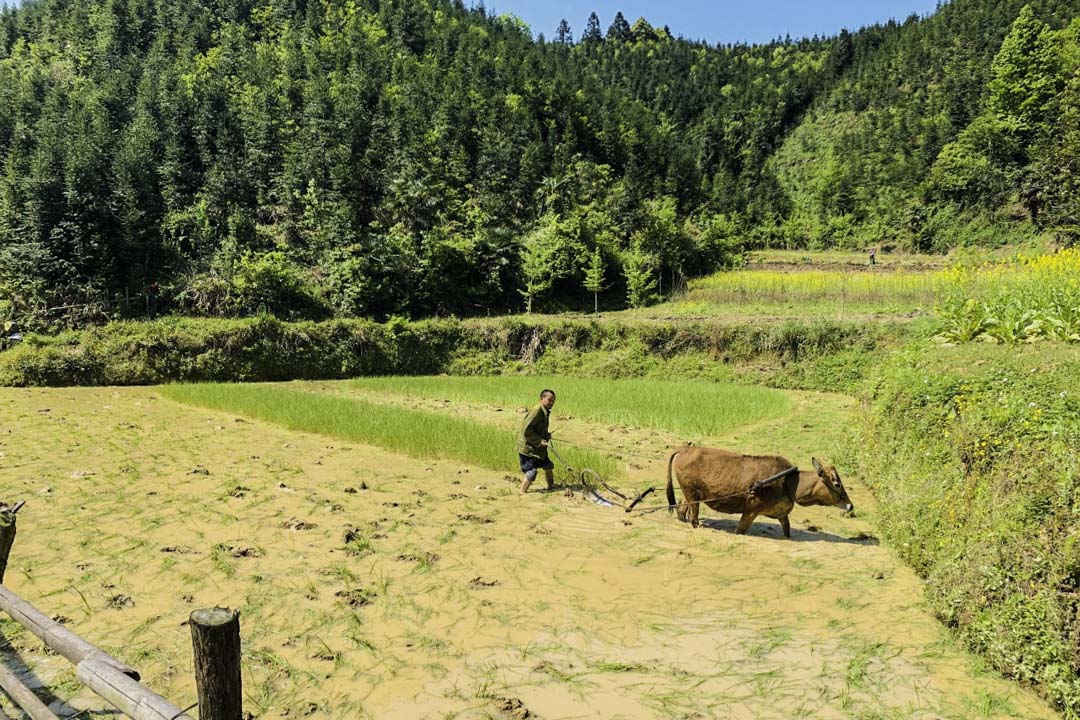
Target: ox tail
{"type": "Point", "coordinates": [670, 486]}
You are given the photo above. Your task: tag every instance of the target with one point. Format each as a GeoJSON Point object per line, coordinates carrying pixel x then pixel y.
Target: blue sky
{"type": "Point", "coordinates": [720, 20]}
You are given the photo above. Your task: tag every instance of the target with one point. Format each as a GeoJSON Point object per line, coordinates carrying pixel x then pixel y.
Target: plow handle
{"type": "Point", "coordinates": [638, 499]}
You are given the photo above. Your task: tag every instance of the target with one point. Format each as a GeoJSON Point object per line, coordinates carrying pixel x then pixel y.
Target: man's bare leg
{"type": "Point", "coordinates": [529, 477]}
{"type": "Point", "coordinates": [550, 479]}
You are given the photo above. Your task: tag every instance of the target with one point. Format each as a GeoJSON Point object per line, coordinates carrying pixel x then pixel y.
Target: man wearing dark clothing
{"type": "Point", "coordinates": [532, 444]}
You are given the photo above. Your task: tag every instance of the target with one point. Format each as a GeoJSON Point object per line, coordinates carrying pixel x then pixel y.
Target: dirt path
{"type": "Point", "coordinates": [372, 585]}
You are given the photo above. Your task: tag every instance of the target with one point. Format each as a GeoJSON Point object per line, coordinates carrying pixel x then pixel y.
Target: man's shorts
{"type": "Point", "coordinates": [530, 463]}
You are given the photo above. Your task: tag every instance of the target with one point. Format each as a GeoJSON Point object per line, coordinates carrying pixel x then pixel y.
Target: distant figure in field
{"type": "Point", "coordinates": [873, 256]}
{"type": "Point", "coordinates": [532, 445]}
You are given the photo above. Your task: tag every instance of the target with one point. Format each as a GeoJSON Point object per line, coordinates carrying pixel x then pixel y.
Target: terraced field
{"type": "Point", "coordinates": [415, 584]}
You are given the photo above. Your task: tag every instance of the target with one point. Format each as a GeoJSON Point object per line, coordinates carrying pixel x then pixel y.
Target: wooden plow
{"type": "Point", "coordinates": [591, 484]}
{"type": "Point", "coordinates": [215, 635]}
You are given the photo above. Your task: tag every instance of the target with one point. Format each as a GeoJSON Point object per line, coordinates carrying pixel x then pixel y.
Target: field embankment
{"type": "Point", "coordinates": [266, 349]}
{"type": "Point", "coordinates": [971, 452]}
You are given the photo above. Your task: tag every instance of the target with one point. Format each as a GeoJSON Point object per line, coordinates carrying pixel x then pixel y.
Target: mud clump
{"type": "Point", "coordinates": [513, 709]}
{"type": "Point", "coordinates": [478, 519]}
{"type": "Point", "coordinates": [178, 550]}
{"type": "Point", "coordinates": [478, 583]}
{"type": "Point", "coordinates": [236, 552]}
{"type": "Point", "coordinates": [356, 598]}
{"type": "Point", "coordinates": [356, 541]}
{"type": "Point", "coordinates": [119, 602]}
{"type": "Point", "coordinates": [294, 524]}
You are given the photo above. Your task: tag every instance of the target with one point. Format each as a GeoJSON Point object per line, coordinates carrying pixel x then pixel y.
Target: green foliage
{"type": "Point", "coordinates": [550, 255]}
{"type": "Point", "coordinates": [270, 283]}
{"type": "Point", "coordinates": [641, 275]}
{"type": "Point", "coordinates": [1011, 302]}
{"type": "Point", "coordinates": [1025, 74]}
{"type": "Point", "coordinates": [956, 146]}
{"type": "Point", "coordinates": [971, 452]}
{"type": "Point", "coordinates": [380, 158]}
{"type": "Point", "coordinates": [394, 155]}
{"type": "Point", "coordinates": [969, 171]}
{"type": "Point", "coordinates": [266, 349]}
{"type": "Point", "coordinates": [594, 277]}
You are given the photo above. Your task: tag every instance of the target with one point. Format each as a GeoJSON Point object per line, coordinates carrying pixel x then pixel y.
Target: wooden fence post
{"type": "Point", "coordinates": [7, 534]}
{"type": "Point", "coordinates": [215, 636]}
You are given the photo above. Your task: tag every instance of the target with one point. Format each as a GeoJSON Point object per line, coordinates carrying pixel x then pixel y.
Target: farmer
{"type": "Point", "coordinates": [873, 256]}
{"type": "Point", "coordinates": [532, 444]}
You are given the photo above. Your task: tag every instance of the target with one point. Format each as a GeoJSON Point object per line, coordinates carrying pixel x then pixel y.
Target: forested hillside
{"type": "Point", "coordinates": [381, 157]}
{"type": "Point", "coordinates": [949, 131]}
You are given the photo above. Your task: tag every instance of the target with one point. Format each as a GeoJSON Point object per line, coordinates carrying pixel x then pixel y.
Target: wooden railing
{"type": "Point", "coordinates": [215, 636]}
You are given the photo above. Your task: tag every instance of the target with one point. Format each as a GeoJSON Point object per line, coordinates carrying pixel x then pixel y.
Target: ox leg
{"type": "Point", "coordinates": [786, 525]}
{"type": "Point", "coordinates": [682, 507]}
{"type": "Point", "coordinates": [745, 522]}
{"type": "Point", "coordinates": [695, 508]}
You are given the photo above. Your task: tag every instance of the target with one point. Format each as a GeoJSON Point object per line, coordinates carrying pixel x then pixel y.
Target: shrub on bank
{"type": "Point", "coordinates": [264, 349]}
{"type": "Point", "coordinates": [972, 454]}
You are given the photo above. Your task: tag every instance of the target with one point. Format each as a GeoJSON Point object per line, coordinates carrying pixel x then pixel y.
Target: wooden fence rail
{"type": "Point", "coordinates": [217, 662]}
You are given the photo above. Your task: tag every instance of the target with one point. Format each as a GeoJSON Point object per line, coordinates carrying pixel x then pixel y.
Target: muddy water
{"type": "Point", "coordinates": [453, 596]}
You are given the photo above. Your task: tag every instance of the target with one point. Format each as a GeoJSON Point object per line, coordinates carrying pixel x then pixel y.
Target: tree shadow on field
{"type": "Point", "coordinates": [771, 529]}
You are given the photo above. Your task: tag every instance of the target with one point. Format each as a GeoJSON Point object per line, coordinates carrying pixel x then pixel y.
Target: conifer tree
{"type": "Point", "coordinates": [563, 35]}
{"type": "Point", "coordinates": [592, 32]}
{"type": "Point", "coordinates": [620, 29]}
{"type": "Point", "coordinates": [594, 278]}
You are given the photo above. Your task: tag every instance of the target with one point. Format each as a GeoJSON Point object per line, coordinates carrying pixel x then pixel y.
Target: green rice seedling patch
{"type": "Point", "coordinates": [697, 408]}
{"type": "Point", "coordinates": [425, 435]}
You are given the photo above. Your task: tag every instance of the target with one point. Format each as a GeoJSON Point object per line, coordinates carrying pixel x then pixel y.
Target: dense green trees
{"type": "Point", "coordinates": [931, 138]}
{"type": "Point", "coordinates": [384, 157]}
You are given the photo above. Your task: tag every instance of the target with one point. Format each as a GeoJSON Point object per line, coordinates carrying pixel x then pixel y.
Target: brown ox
{"type": "Point", "coordinates": [732, 483]}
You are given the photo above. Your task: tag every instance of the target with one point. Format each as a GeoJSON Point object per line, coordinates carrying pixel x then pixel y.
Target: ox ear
{"type": "Point", "coordinates": [817, 465]}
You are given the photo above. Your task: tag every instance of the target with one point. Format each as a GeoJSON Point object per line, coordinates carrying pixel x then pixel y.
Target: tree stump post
{"type": "Point", "coordinates": [215, 636]}
{"type": "Point", "coordinates": [7, 533]}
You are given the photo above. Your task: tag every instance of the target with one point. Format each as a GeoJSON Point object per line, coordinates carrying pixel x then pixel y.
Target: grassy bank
{"type": "Point", "coordinates": [697, 408]}
{"type": "Point", "coordinates": [425, 435]}
{"type": "Point", "coordinates": [972, 454]}
{"type": "Point", "coordinates": [266, 349]}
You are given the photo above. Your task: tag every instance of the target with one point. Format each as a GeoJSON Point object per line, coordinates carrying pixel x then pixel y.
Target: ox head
{"type": "Point", "coordinates": [829, 490]}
